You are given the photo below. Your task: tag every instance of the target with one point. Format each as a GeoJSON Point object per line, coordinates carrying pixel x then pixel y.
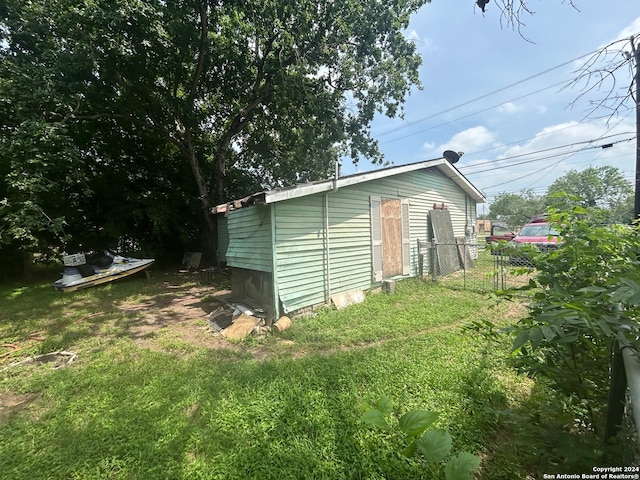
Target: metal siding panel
{"type": "Point", "coordinates": [350, 240]}
{"type": "Point", "coordinates": [300, 248]}
{"type": "Point", "coordinates": [250, 239]}
{"type": "Point", "coordinates": [223, 237]}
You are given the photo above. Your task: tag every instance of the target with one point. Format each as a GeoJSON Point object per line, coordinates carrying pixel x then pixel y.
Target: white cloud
{"type": "Point", "coordinates": [632, 29]}
{"type": "Point", "coordinates": [551, 153]}
{"type": "Point", "coordinates": [470, 140]}
{"type": "Point", "coordinates": [509, 108]}
{"type": "Point", "coordinates": [421, 42]}
{"type": "Point", "coordinates": [411, 35]}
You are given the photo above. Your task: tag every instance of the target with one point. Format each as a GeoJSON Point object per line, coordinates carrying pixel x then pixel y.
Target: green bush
{"type": "Point", "coordinates": [586, 294]}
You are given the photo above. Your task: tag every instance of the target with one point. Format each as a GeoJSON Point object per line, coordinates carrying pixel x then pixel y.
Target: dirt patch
{"type": "Point", "coordinates": [180, 313]}
{"type": "Point", "coordinates": [12, 403]}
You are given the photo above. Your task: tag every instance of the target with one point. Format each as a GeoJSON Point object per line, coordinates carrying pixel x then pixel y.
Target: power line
{"type": "Point", "coordinates": [466, 116]}
{"type": "Point", "coordinates": [555, 155]}
{"type": "Point", "coordinates": [473, 100]}
{"type": "Point", "coordinates": [537, 136]}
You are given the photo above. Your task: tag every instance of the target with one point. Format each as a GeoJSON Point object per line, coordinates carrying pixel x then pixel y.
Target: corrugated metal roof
{"type": "Point", "coordinates": [296, 191]}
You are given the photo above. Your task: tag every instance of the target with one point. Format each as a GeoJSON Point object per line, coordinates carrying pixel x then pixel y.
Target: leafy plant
{"type": "Point", "coordinates": [585, 296]}
{"type": "Point", "coordinates": [433, 444]}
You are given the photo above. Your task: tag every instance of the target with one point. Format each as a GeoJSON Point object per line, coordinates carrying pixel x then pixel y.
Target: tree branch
{"type": "Point", "coordinates": [204, 32]}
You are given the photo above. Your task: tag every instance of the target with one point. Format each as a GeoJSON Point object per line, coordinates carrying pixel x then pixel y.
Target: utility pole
{"type": "Point", "coordinates": [636, 55]}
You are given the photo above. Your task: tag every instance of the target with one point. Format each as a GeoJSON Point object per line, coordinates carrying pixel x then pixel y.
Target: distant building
{"type": "Point", "coordinates": [483, 227]}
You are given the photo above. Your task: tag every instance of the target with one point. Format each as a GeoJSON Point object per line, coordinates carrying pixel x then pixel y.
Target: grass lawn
{"type": "Point", "coordinates": [154, 394]}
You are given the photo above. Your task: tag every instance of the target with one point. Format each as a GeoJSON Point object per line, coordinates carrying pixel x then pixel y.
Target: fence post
{"type": "Point", "coordinates": [434, 266]}
{"type": "Point", "coordinates": [420, 261]}
{"type": "Point", "coordinates": [617, 390]}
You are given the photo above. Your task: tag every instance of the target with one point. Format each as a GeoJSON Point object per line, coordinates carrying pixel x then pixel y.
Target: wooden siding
{"type": "Point", "coordinates": [304, 270]}
{"type": "Point", "coordinates": [250, 239]}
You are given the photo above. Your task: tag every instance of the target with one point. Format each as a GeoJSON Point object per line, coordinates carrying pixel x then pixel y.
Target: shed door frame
{"type": "Point", "coordinates": [396, 232]}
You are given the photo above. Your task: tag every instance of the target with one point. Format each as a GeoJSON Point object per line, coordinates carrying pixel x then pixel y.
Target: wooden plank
{"type": "Point", "coordinates": [345, 299]}
{"type": "Point", "coordinates": [391, 214]}
{"type": "Point", "coordinates": [241, 327]}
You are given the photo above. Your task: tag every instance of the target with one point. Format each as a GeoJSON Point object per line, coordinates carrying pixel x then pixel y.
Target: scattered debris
{"type": "Point", "coordinates": [208, 275]}
{"type": "Point", "coordinates": [389, 286]}
{"type": "Point", "coordinates": [236, 320]}
{"type": "Point", "coordinates": [58, 359]}
{"type": "Point", "coordinates": [242, 326]}
{"type": "Point", "coordinates": [282, 324]}
{"type": "Point", "coordinates": [191, 260]}
{"type": "Point", "coordinates": [345, 299]}
{"type": "Point", "coordinates": [220, 318]}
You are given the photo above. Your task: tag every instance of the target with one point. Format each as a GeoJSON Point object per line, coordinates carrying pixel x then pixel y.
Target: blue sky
{"type": "Point", "coordinates": [494, 95]}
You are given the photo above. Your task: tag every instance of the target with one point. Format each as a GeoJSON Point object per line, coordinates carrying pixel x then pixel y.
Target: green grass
{"type": "Point", "coordinates": [185, 411]}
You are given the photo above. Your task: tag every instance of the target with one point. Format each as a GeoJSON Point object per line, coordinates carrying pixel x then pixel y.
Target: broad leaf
{"type": "Point", "coordinates": [548, 332]}
{"type": "Point", "coordinates": [375, 417]}
{"type": "Point", "coordinates": [535, 336]}
{"type": "Point", "coordinates": [384, 404]}
{"type": "Point", "coordinates": [415, 422]}
{"type": "Point", "coordinates": [521, 339]}
{"type": "Point", "coordinates": [410, 450]}
{"type": "Point", "coordinates": [435, 445]}
{"type": "Point", "coordinates": [461, 467]}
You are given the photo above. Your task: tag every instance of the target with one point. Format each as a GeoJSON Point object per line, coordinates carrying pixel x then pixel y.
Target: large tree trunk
{"type": "Point", "coordinates": [209, 224]}
{"type": "Point", "coordinates": [27, 265]}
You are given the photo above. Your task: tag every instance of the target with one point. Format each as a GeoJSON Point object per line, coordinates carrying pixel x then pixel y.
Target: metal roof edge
{"type": "Point", "coordinates": [462, 182]}
{"type": "Point", "coordinates": [296, 191]}
{"type": "Point", "coordinates": [287, 193]}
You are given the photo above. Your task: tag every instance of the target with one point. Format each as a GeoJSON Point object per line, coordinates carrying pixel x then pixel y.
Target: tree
{"type": "Point", "coordinates": [276, 89]}
{"type": "Point", "coordinates": [603, 188]}
{"type": "Point", "coordinates": [512, 11]}
{"type": "Point", "coordinates": [516, 209]}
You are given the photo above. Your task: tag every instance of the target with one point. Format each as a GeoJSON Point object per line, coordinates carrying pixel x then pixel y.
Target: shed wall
{"type": "Point", "coordinates": [223, 237]}
{"type": "Point", "coordinates": [250, 239]}
{"type": "Point", "coordinates": [300, 246]}
{"type": "Point", "coordinates": [308, 259]}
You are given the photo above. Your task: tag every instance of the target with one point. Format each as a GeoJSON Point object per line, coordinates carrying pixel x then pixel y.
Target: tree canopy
{"type": "Point", "coordinates": [602, 189]}
{"type": "Point", "coordinates": [515, 209]}
{"type": "Point", "coordinates": [111, 108]}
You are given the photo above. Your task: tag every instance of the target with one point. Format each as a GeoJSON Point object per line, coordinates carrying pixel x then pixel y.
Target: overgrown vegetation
{"type": "Point", "coordinates": [586, 295]}
{"type": "Point", "coordinates": [286, 406]}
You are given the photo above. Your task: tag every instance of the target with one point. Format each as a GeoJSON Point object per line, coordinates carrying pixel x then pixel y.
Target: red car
{"type": "Point", "coordinates": [499, 232]}
{"type": "Point", "coordinates": [538, 233]}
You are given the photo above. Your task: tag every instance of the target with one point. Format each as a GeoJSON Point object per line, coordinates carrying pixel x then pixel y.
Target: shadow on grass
{"type": "Point", "coordinates": [135, 413]}
{"type": "Point", "coordinates": [38, 319]}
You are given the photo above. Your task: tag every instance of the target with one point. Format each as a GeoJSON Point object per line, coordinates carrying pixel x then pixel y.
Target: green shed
{"type": "Point", "coordinates": [291, 249]}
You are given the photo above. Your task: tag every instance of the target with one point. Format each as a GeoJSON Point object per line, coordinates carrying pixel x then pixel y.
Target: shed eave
{"type": "Point", "coordinates": [442, 164]}
{"type": "Point", "coordinates": [454, 174]}
{"type": "Point", "coordinates": [449, 170]}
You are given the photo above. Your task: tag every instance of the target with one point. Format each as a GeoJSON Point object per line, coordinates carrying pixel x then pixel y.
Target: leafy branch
{"type": "Point", "coordinates": [433, 444]}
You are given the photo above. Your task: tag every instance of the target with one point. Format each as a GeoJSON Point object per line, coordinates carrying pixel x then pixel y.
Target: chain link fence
{"type": "Point", "coordinates": [471, 266]}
